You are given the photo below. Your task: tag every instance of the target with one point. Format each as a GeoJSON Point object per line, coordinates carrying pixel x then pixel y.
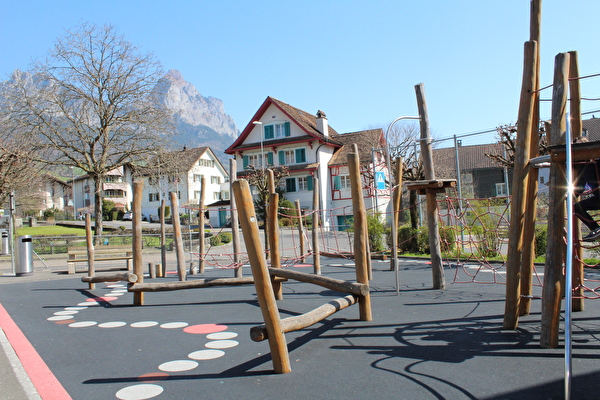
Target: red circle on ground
{"type": "Point", "coordinates": [303, 265]}
{"type": "Point", "coordinates": [153, 377]}
{"type": "Point", "coordinates": [205, 328]}
{"type": "Point", "coordinates": [103, 298]}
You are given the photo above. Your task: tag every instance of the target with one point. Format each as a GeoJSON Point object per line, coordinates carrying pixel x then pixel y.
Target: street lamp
{"type": "Point", "coordinates": [394, 258]}
{"type": "Point", "coordinates": [262, 153]}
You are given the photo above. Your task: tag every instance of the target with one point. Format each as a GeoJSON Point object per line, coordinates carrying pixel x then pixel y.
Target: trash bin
{"type": "Point", "coordinates": [5, 249]}
{"type": "Point", "coordinates": [24, 255]}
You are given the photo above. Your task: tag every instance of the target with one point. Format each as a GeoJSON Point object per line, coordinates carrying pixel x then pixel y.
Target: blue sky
{"type": "Point", "coordinates": [358, 61]}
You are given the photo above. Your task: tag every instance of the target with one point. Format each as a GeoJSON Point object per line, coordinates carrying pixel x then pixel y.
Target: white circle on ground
{"type": "Point", "coordinates": [221, 335]}
{"type": "Point", "coordinates": [59, 318]}
{"type": "Point", "coordinates": [139, 392]}
{"type": "Point", "coordinates": [75, 308]}
{"type": "Point", "coordinates": [348, 264]}
{"type": "Point", "coordinates": [178, 366]}
{"type": "Point", "coordinates": [116, 294]}
{"type": "Point", "coordinates": [113, 285]}
{"type": "Point", "coordinates": [174, 325]}
{"type": "Point", "coordinates": [82, 324]}
{"type": "Point", "coordinates": [114, 324]}
{"type": "Point", "coordinates": [89, 303]}
{"type": "Point", "coordinates": [221, 344]}
{"type": "Point", "coordinates": [206, 354]}
{"type": "Point", "coordinates": [66, 312]}
{"type": "Point", "coordinates": [144, 324]}
{"type": "Point", "coordinates": [119, 290]}
{"type": "Point", "coordinates": [336, 265]}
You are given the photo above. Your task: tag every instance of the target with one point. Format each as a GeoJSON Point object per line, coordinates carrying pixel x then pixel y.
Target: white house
{"type": "Point", "coordinates": [117, 188]}
{"type": "Point", "coordinates": [183, 174]}
{"type": "Point", "coordinates": [280, 134]}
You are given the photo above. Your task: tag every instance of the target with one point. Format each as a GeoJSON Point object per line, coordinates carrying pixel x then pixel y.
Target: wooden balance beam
{"type": "Point", "coordinates": [127, 277]}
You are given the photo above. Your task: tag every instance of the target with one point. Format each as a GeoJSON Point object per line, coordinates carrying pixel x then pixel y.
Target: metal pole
{"type": "Point", "coordinates": [459, 189]}
{"type": "Point", "coordinates": [568, 263]}
{"type": "Point", "coordinates": [394, 228]}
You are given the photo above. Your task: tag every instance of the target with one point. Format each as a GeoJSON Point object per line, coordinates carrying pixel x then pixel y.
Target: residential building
{"type": "Point", "coordinates": [117, 188]}
{"type": "Point", "coordinates": [182, 173]}
{"type": "Point", "coordinates": [282, 135]}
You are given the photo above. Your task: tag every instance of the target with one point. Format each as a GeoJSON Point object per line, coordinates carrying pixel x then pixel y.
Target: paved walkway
{"type": "Point", "coordinates": [421, 344]}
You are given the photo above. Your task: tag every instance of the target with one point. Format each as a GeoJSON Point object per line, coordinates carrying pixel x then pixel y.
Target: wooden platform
{"type": "Point", "coordinates": [434, 185]}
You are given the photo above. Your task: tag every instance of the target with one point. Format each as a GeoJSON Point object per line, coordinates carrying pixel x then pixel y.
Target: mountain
{"type": "Point", "coordinates": [200, 121]}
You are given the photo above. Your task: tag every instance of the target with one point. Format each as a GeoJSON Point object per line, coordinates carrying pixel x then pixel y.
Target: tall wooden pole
{"type": "Point", "coordinates": [300, 228]}
{"type": "Point", "coordinates": [235, 230]}
{"type": "Point", "coordinates": [576, 131]}
{"type": "Point", "coordinates": [181, 273]}
{"type": "Point", "coordinates": [361, 251]}
{"type": "Point", "coordinates": [89, 239]}
{"type": "Point", "coordinates": [262, 280]}
{"type": "Point", "coordinates": [532, 181]}
{"type": "Point", "coordinates": [396, 200]}
{"type": "Point", "coordinates": [437, 268]}
{"type": "Point", "coordinates": [553, 277]}
{"type": "Point", "coordinates": [138, 267]}
{"type": "Point", "coordinates": [273, 221]}
{"type": "Point", "coordinates": [315, 228]}
{"type": "Point", "coordinates": [520, 174]}
{"type": "Point", "coordinates": [201, 245]}
{"type": "Point", "coordinates": [163, 239]}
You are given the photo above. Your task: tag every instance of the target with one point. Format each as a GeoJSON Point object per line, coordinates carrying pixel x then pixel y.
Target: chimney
{"type": "Point", "coordinates": [322, 125]}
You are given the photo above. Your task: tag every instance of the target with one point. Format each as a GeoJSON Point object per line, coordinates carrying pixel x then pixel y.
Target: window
{"type": "Point", "coordinates": [215, 179]}
{"type": "Point", "coordinates": [198, 177]}
{"type": "Point", "coordinates": [153, 197]}
{"type": "Point", "coordinates": [292, 156]}
{"type": "Point", "coordinates": [276, 131]}
{"type": "Point", "coordinates": [255, 159]}
{"type": "Point", "coordinates": [298, 184]}
{"type": "Point", "coordinates": [206, 163]}
{"type": "Point", "coordinates": [216, 195]}
{"type": "Point", "coordinates": [114, 193]}
{"type": "Point", "coordinates": [113, 178]}
{"type": "Point", "coordinates": [501, 189]}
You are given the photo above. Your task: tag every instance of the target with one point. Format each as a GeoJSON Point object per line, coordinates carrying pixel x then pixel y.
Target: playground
{"type": "Point", "coordinates": [423, 343]}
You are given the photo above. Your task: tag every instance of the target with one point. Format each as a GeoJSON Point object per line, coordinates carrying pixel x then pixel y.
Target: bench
{"type": "Point", "coordinates": [101, 253]}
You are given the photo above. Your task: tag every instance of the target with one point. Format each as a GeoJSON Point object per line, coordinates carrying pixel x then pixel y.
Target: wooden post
{"type": "Point", "coordinates": [262, 280]}
{"type": "Point", "coordinates": [361, 251]}
{"type": "Point", "coordinates": [315, 228]}
{"type": "Point", "coordinates": [576, 130]}
{"type": "Point", "coordinates": [181, 273]}
{"type": "Point", "coordinates": [163, 239]}
{"type": "Point", "coordinates": [201, 245]}
{"type": "Point", "coordinates": [235, 230]}
{"type": "Point", "coordinates": [437, 268]}
{"type": "Point", "coordinates": [151, 270]}
{"type": "Point", "coordinates": [553, 277]}
{"type": "Point", "coordinates": [532, 180]}
{"type": "Point", "coordinates": [300, 228]}
{"type": "Point", "coordinates": [138, 269]}
{"type": "Point", "coordinates": [273, 221]}
{"type": "Point", "coordinates": [395, 209]}
{"type": "Point", "coordinates": [89, 240]}
{"type": "Point", "coordinates": [520, 175]}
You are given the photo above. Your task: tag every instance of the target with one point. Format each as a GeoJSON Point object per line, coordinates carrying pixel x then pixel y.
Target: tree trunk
{"type": "Point", "coordinates": [98, 183]}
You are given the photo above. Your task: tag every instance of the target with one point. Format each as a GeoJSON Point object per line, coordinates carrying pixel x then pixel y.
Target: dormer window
{"type": "Point", "coordinates": [277, 131]}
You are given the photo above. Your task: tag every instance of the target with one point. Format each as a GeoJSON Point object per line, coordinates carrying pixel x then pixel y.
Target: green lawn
{"type": "Point", "coordinates": [53, 230]}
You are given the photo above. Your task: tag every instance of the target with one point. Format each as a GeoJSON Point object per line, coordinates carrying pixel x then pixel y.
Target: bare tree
{"type": "Point", "coordinates": [506, 136]}
{"type": "Point", "coordinates": [92, 103]}
{"type": "Point", "coordinates": [403, 141]}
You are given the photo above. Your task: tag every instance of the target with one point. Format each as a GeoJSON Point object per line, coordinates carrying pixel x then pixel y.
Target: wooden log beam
{"type": "Point", "coordinates": [359, 289]}
{"type": "Point", "coordinates": [262, 281]}
{"type": "Point", "coordinates": [126, 277]}
{"type": "Point", "coordinates": [315, 228]}
{"type": "Point", "coordinates": [291, 324]}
